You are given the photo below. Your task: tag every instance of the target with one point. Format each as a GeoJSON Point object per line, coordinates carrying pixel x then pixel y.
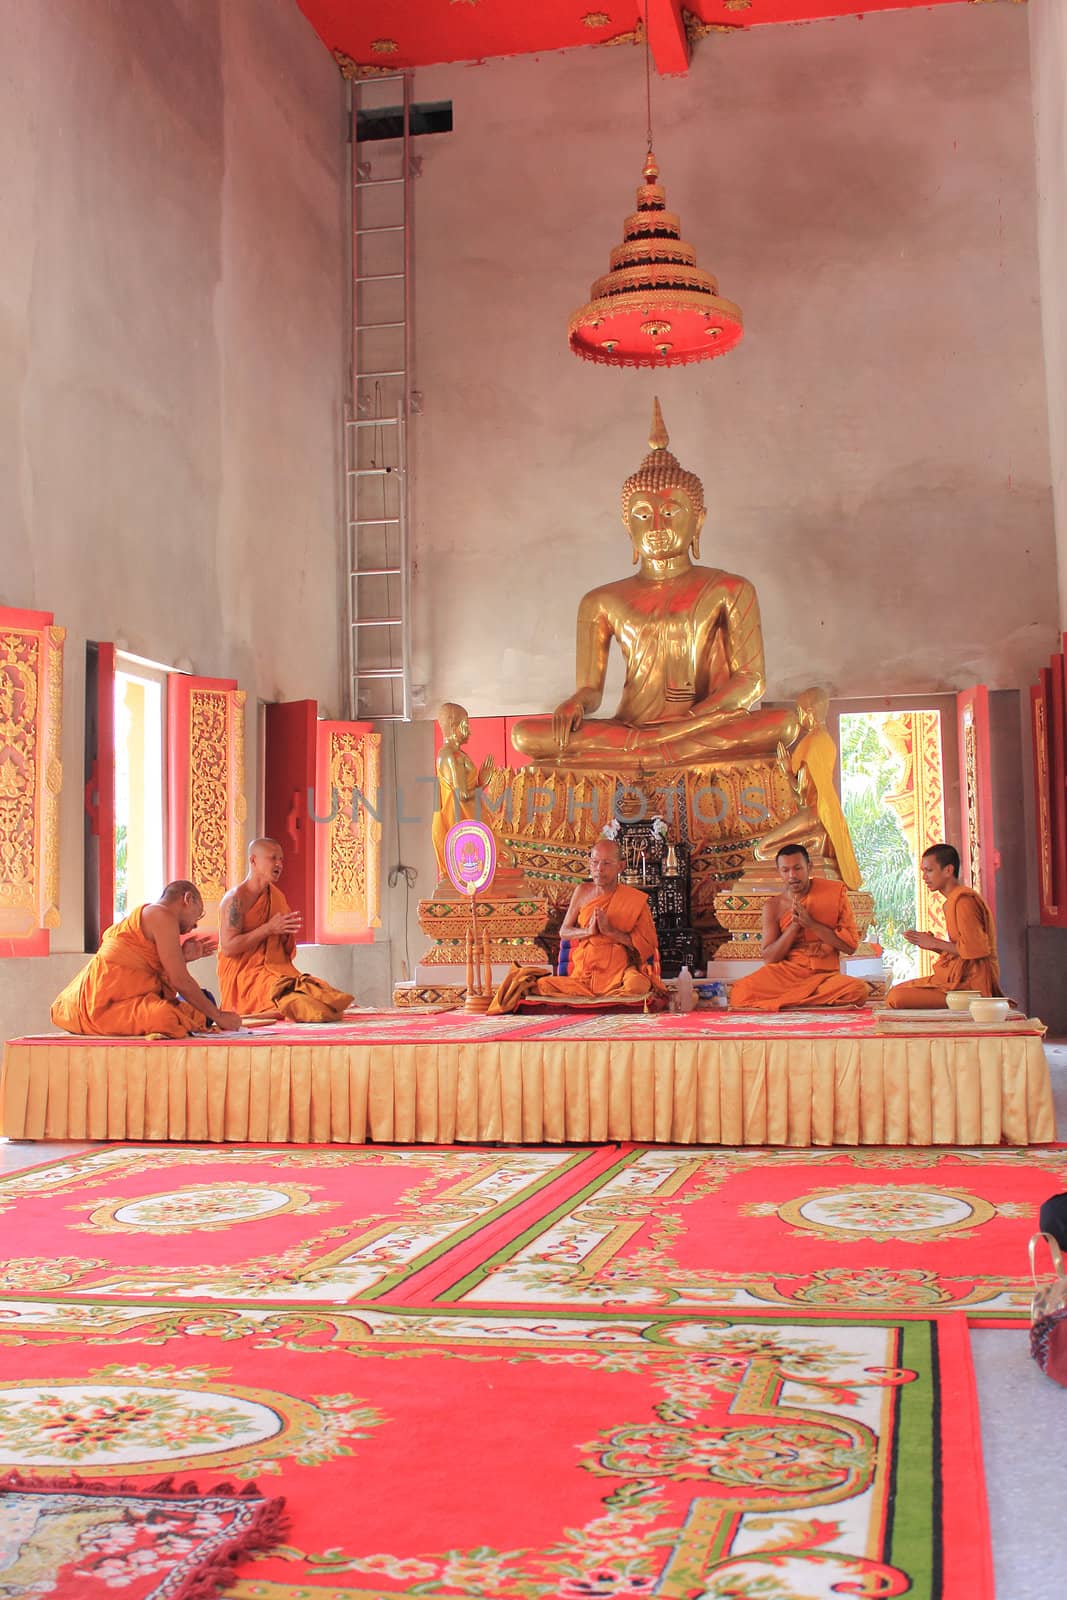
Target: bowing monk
{"type": "Point", "coordinates": [806, 930]}
{"type": "Point", "coordinates": [257, 944]}
{"type": "Point", "coordinates": [967, 959]}
{"type": "Point", "coordinates": [138, 982]}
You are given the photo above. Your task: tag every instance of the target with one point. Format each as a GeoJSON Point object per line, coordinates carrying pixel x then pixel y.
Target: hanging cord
{"type": "Point", "coordinates": [400, 869]}
{"type": "Point", "coordinates": [648, 80]}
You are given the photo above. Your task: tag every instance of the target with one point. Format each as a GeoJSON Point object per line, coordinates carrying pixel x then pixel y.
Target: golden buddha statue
{"type": "Point", "coordinates": [819, 823]}
{"type": "Point", "coordinates": [690, 637]}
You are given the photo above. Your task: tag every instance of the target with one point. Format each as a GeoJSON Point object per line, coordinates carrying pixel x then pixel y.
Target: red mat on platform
{"type": "Point", "coordinates": [561, 1456]}
{"type": "Point", "coordinates": [455, 1027]}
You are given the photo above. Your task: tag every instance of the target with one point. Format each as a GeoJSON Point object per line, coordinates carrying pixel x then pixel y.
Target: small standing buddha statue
{"type": "Point", "coordinates": [461, 793]}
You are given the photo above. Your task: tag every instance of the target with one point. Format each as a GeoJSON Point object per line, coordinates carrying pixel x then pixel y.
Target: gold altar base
{"type": "Point", "coordinates": [549, 817]}
{"type": "Point", "coordinates": [512, 926]}
{"type": "Point", "coordinates": [417, 996]}
{"type": "Point", "coordinates": [740, 910]}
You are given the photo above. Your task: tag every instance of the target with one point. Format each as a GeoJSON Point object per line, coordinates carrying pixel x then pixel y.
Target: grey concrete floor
{"type": "Point", "coordinates": [1023, 1414]}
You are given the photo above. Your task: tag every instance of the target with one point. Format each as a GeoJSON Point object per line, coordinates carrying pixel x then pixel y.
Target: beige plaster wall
{"type": "Point", "coordinates": [171, 357]}
{"type": "Point", "coordinates": [874, 454]}
{"type": "Point", "coordinates": [1048, 55]}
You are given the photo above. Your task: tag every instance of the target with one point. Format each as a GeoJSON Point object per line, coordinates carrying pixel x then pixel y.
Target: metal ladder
{"type": "Point", "coordinates": [376, 455]}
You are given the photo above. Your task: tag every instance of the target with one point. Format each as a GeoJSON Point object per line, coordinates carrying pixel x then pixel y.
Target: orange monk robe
{"type": "Point", "coordinates": [264, 979]}
{"type": "Point", "coordinates": [601, 967]}
{"type": "Point", "coordinates": [810, 975]}
{"type": "Point", "coordinates": [970, 927]}
{"type": "Point", "coordinates": [123, 990]}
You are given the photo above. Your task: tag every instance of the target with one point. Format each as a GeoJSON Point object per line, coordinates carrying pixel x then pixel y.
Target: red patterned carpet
{"type": "Point", "coordinates": [316, 1321]}
{"type": "Point", "coordinates": [877, 1231]}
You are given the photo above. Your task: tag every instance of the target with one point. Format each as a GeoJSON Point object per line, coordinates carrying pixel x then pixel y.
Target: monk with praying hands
{"type": "Point", "coordinates": [138, 983]}
{"type": "Point", "coordinates": [806, 930]}
{"type": "Point", "coordinates": [614, 948]}
{"type": "Point", "coordinates": [257, 944]}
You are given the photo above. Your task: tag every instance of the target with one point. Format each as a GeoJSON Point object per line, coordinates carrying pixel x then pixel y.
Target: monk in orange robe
{"type": "Point", "coordinates": [614, 949]}
{"type": "Point", "coordinates": [138, 982]}
{"type": "Point", "coordinates": [257, 944]}
{"type": "Point", "coordinates": [613, 938]}
{"type": "Point", "coordinates": [806, 930]}
{"type": "Point", "coordinates": [967, 959]}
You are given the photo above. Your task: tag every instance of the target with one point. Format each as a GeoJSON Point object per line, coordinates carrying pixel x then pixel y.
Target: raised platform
{"type": "Point", "coordinates": [801, 1078]}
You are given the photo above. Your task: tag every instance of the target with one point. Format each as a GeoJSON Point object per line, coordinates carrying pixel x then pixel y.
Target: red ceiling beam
{"type": "Point", "coordinates": [667, 37]}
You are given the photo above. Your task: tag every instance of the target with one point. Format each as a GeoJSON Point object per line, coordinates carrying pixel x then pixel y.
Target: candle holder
{"type": "Point", "coordinates": [479, 967]}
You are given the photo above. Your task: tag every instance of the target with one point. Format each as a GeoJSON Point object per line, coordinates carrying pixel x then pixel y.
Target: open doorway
{"type": "Point", "coordinates": [899, 779]}
{"type": "Point", "coordinates": [140, 781]}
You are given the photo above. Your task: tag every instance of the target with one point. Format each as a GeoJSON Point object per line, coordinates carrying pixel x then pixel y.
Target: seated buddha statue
{"type": "Point", "coordinates": [690, 637]}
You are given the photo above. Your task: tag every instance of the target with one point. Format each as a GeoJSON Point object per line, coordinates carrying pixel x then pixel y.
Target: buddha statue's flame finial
{"type": "Point", "coordinates": [662, 470]}
{"type": "Point", "coordinates": [659, 438]}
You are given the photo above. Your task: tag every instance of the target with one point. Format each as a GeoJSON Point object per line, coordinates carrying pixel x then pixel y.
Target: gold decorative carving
{"type": "Point", "coordinates": [356, 69]}
{"type": "Point", "coordinates": [384, 47]}
{"type": "Point", "coordinates": [596, 19]}
{"type": "Point", "coordinates": [970, 784]}
{"type": "Point", "coordinates": [918, 800]}
{"type": "Point", "coordinates": [53, 776]}
{"type": "Point", "coordinates": [210, 790]}
{"type": "Point", "coordinates": [31, 775]}
{"type": "Point", "coordinates": [696, 28]}
{"type": "Point", "coordinates": [240, 803]}
{"type": "Point", "coordinates": [512, 926]}
{"type": "Point", "coordinates": [442, 996]}
{"type": "Point", "coordinates": [353, 884]}
{"type": "Point", "coordinates": [1044, 806]}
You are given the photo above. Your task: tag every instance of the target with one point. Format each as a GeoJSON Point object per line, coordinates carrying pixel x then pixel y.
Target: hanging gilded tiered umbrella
{"type": "Point", "coordinates": [655, 307]}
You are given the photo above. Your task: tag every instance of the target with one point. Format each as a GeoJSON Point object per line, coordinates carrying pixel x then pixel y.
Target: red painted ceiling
{"type": "Point", "coordinates": [422, 33]}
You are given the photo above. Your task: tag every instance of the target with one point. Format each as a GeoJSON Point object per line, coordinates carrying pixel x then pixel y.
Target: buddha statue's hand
{"type": "Point", "coordinates": [485, 771]}
{"type": "Point", "coordinates": [567, 719]}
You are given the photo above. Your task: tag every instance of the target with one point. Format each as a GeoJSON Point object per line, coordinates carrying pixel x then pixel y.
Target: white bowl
{"type": "Point", "coordinates": [960, 999]}
{"type": "Point", "coordinates": [990, 1009]}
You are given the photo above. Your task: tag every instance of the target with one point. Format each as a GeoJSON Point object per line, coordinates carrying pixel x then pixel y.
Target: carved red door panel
{"type": "Point", "coordinates": [31, 775]}
{"type": "Point", "coordinates": [980, 857]}
{"type": "Point", "coordinates": [205, 785]}
{"type": "Point", "coordinates": [348, 841]}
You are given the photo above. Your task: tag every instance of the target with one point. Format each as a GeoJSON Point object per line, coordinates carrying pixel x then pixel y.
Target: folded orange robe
{"type": "Point", "coordinates": [123, 990]}
{"type": "Point", "coordinates": [601, 966]}
{"type": "Point", "coordinates": [970, 927]}
{"type": "Point", "coordinates": [265, 979]}
{"type": "Point", "coordinates": [810, 975]}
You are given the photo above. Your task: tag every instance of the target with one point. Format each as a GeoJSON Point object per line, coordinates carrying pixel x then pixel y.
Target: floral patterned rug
{"type": "Point", "coordinates": [882, 1231]}
{"type": "Point", "coordinates": [546, 1455]}
{"type": "Point", "coordinates": [73, 1539]}
{"type": "Point", "coordinates": [850, 1232]}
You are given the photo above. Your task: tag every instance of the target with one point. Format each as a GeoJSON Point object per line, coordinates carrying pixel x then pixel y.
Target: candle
{"type": "Point", "coordinates": [488, 963]}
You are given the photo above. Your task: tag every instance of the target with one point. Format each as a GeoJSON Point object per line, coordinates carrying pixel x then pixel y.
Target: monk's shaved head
{"type": "Point", "coordinates": [258, 846]}
{"type": "Point", "coordinates": [612, 847]}
{"type": "Point", "coordinates": [179, 889]}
